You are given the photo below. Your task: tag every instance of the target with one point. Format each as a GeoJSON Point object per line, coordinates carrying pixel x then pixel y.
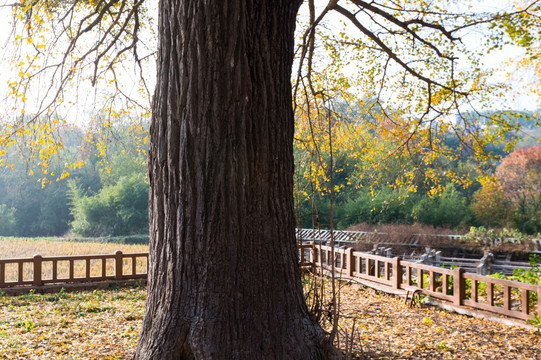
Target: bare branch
{"type": "Point", "coordinates": [389, 52]}
{"type": "Point", "coordinates": [98, 19]}
{"type": "Point", "coordinates": [309, 37]}
{"type": "Point", "coordinates": [405, 24]}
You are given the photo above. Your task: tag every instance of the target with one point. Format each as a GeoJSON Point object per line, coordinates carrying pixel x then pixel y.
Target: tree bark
{"type": "Point", "coordinates": [224, 281]}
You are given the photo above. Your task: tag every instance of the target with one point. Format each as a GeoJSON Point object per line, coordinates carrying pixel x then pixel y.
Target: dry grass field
{"type": "Point", "coordinates": [11, 247]}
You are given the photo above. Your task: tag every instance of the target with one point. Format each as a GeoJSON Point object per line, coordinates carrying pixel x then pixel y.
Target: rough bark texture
{"type": "Point", "coordinates": [223, 279]}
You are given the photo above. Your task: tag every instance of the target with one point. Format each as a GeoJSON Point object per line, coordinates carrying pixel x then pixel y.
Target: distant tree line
{"type": "Point", "coordinates": [108, 196]}
{"type": "Point", "coordinates": [371, 189]}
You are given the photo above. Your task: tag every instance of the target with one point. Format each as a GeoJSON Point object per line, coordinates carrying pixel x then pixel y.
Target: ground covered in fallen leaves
{"type": "Point", "coordinates": [382, 326]}
{"type": "Point", "coordinates": [104, 324]}
{"type": "Point", "coordinates": [99, 324]}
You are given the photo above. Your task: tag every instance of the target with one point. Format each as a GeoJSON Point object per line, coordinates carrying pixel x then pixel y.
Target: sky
{"type": "Point", "coordinates": [497, 60]}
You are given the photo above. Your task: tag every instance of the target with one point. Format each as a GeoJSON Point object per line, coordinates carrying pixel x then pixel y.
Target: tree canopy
{"type": "Point", "coordinates": [415, 60]}
{"type": "Point", "coordinates": [221, 160]}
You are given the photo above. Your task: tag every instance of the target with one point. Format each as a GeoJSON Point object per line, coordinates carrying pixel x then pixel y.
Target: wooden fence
{"type": "Point", "coordinates": [344, 236]}
{"type": "Point", "coordinates": [453, 286]}
{"type": "Point", "coordinates": [39, 271]}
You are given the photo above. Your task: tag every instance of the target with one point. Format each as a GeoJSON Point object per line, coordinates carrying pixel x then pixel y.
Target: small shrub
{"type": "Point", "coordinates": [536, 322]}
{"type": "Point", "coordinates": [490, 237]}
{"type": "Point", "coordinates": [530, 276]}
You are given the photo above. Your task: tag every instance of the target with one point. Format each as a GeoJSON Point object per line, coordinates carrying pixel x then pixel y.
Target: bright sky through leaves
{"type": "Point", "coordinates": [85, 109]}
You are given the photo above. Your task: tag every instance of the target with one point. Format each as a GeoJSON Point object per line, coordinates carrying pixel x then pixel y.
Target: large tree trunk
{"type": "Point", "coordinates": [224, 281]}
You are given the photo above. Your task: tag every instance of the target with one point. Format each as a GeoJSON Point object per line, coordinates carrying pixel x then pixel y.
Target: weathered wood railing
{"type": "Point", "coordinates": [344, 236]}
{"type": "Point", "coordinates": [503, 297]}
{"type": "Point", "coordinates": [38, 271]}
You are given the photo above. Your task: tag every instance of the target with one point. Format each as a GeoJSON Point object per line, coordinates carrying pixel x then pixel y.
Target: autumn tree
{"type": "Point", "coordinates": [524, 32]}
{"type": "Point", "coordinates": [223, 278]}
{"type": "Point", "coordinates": [490, 204]}
{"type": "Point", "coordinates": [513, 195]}
{"type": "Point", "coordinates": [427, 124]}
{"type": "Point", "coordinates": [520, 175]}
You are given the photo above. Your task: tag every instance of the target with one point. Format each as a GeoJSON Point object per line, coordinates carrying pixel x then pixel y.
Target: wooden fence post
{"type": "Point", "coordinates": [459, 286]}
{"type": "Point", "coordinates": [119, 264]}
{"type": "Point", "coordinates": [311, 256]}
{"type": "Point", "coordinates": [37, 271]}
{"type": "Point", "coordinates": [397, 273]}
{"type": "Point", "coordinates": [2, 274]}
{"type": "Point", "coordinates": [432, 281]}
{"type": "Point", "coordinates": [538, 312]}
{"type": "Point", "coordinates": [350, 261]}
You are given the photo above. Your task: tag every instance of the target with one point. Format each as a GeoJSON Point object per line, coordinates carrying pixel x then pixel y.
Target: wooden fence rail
{"type": "Point", "coordinates": [503, 297]}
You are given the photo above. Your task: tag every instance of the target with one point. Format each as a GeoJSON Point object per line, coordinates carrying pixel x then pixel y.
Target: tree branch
{"type": "Point", "coordinates": [390, 53]}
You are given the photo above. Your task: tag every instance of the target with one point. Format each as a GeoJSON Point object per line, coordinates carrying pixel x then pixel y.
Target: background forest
{"type": "Point", "coordinates": [376, 141]}
{"type": "Point", "coordinates": [106, 193]}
